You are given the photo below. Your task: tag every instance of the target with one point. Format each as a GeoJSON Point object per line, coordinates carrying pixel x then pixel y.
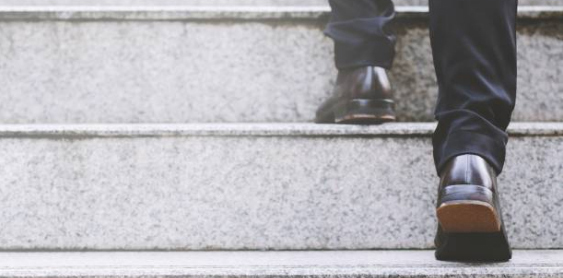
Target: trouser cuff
{"type": "Point", "coordinates": [464, 142]}
{"type": "Point", "coordinates": [362, 42]}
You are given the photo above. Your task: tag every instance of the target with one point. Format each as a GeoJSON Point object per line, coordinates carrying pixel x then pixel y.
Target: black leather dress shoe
{"type": "Point", "coordinates": [470, 221]}
{"type": "Point", "coordinates": [361, 96]}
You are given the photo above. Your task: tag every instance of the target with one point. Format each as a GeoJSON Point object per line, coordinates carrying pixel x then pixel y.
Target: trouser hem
{"type": "Point", "coordinates": [465, 142]}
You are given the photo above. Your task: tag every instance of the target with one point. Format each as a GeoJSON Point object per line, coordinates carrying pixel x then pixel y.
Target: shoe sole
{"type": "Point", "coordinates": [468, 217]}
{"type": "Point", "coordinates": [470, 225]}
{"type": "Point", "coordinates": [359, 111]}
{"type": "Point", "coordinates": [472, 247]}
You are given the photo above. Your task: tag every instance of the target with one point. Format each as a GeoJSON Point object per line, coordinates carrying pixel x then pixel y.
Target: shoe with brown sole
{"type": "Point", "coordinates": [468, 212]}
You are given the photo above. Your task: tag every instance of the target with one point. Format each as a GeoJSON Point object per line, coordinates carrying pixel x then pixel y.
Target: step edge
{"type": "Point", "coordinates": [292, 263]}
{"type": "Point", "coordinates": [374, 271]}
{"type": "Point", "coordinates": [180, 13]}
{"type": "Point", "coordinates": [250, 129]}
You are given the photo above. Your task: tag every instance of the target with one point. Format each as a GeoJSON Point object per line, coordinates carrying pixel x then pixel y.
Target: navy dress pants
{"type": "Point", "coordinates": [474, 50]}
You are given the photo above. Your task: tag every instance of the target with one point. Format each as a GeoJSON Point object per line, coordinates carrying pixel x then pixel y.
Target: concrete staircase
{"type": "Point", "coordinates": [186, 128]}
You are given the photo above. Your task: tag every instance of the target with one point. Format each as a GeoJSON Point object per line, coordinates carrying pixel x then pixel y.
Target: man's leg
{"type": "Point", "coordinates": [360, 30]}
{"type": "Point", "coordinates": [364, 49]}
{"type": "Point", "coordinates": [474, 48]}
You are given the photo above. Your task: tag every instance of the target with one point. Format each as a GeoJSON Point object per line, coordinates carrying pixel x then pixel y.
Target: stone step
{"type": "Point", "coordinates": [253, 186]}
{"type": "Point", "coordinates": [221, 2]}
{"type": "Point", "coordinates": [330, 264]}
{"type": "Point", "coordinates": [167, 64]}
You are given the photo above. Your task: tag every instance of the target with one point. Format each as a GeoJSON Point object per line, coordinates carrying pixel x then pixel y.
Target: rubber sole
{"type": "Point", "coordinates": [359, 111]}
{"type": "Point", "coordinates": [472, 247]}
{"type": "Point", "coordinates": [470, 226]}
{"type": "Point", "coordinates": [468, 217]}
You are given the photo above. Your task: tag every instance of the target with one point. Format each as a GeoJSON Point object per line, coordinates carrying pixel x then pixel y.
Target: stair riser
{"type": "Point", "coordinates": [253, 192]}
{"type": "Point", "coordinates": [263, 70]}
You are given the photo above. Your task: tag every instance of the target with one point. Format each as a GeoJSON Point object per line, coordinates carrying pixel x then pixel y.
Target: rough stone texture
{"type": "Point", "coordinates": [272, 70]}
{"type": "Point", "coordinates": [253, 187]}
{"type": "Point", "coordinates": [229, 14]}
{"type": "Point", "coordinates": [261, 130]}
{"type": "Point", "coordinates": [272, 264]}
{"type": "Point", "coordinates": [220, 2]}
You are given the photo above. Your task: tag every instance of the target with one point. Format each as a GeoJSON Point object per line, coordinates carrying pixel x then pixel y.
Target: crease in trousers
{"type": "Point", "coordinates": [474, 50]}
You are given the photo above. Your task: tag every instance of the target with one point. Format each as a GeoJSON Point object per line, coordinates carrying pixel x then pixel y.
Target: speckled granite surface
{"type": "Point", "coordinates": [84, 131]}
{"type": "Point", "coordinates": [274, 70]}
{"type": "Point", "coordinates": [253, 187]}
{"type": "Point", "coordinates": [220, 2]}
{"type": "Point", "coordinates": [272, 264]}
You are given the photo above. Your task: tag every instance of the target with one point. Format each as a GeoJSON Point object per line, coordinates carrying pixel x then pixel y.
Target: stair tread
{"type": "Point", "coordinates": [219, 2]}
{"type": "Point", "coordinates": [536, 263]}
{"type": "Point", "coordinates": [183, 12]}
{"type": "Point", "coordinates": [257, 129]}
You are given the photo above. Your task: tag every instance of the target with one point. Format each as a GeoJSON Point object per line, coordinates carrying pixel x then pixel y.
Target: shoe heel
{"type": "Point", "coordinates": [468, 209]}
{"type": "Point", "coordinates": [364, 111]}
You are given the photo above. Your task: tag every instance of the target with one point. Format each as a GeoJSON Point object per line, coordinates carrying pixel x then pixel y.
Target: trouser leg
{"type": "Point", "coordinates": [474, 48]}
{"type": "Point", "coordinates": [360, 30]}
